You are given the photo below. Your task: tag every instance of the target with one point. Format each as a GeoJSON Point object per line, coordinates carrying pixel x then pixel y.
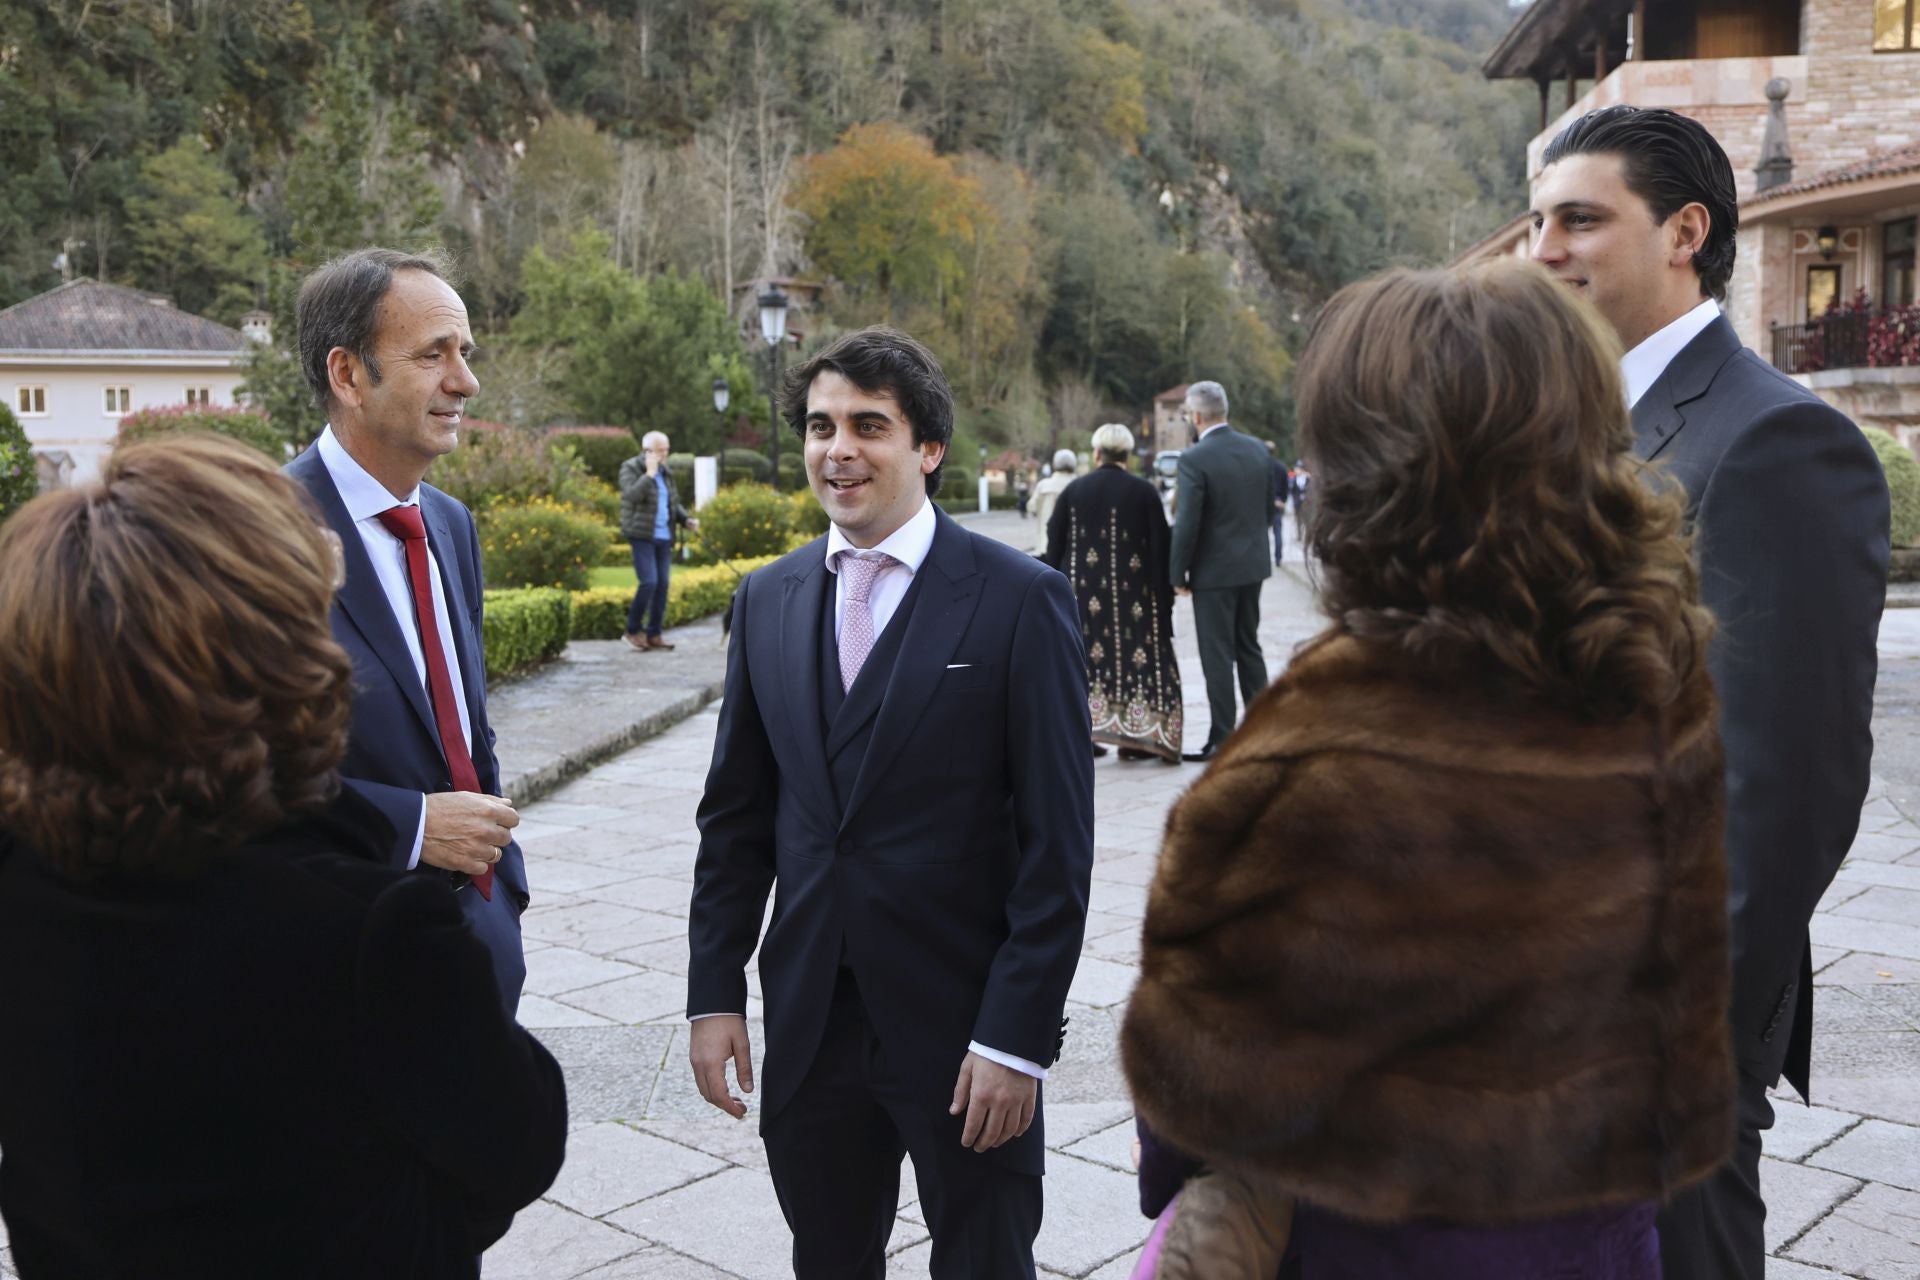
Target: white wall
{"type": "Point", "coordinates": [76, 419]}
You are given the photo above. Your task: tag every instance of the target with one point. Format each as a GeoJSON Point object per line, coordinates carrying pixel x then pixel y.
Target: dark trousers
{"type": "Point", "coordinates": [652, 563]}
{"type": "Point", "coordinates": [1226, 626]}
{"type": "Point", "coordinates": [1279, 533]}
{"type": "Point", "coordinates": [834, 1152]}
{"type": "Point", "coordinates": [1717, 1230]}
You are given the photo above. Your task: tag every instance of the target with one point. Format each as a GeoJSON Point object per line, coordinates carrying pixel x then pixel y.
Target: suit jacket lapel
{"type": "Point", "coordinates": [361, 601]}
{"type": "Point", "coordinates": [948, 597]}
{"type": "Point", "coordinates": [802, 602]}
{"type": "Point", "coordinates": [1659, 415]}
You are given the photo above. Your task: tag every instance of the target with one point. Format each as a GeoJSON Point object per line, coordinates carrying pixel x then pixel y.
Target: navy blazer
{"type": "Point", "coordinates": [954, 879]}
{"type": "Point", "coordinates": [393, 748]}
{"type": "Point", "coordinates": [1791, 514]}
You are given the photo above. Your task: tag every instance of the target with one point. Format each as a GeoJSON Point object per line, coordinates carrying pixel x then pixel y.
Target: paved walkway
{"type": "Point", "coordinates": [658, 1184]}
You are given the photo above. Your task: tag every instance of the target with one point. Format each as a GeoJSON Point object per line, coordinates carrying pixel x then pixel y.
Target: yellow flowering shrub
{"type": "Point", "coordinates": [601, 612]}
{"type": "Point", "coordinates": [540, 543]}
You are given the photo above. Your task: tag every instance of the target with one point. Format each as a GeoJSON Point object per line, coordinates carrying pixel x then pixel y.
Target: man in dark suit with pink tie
{"type": "Point", "coordinates": [902, 752]}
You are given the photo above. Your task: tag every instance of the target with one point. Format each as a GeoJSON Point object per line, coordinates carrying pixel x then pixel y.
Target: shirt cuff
{"type": "Point", "coordinates": [695, 1017]}
{"type": "Point", "coordinates": [419, 836]}
{"type": "Point", "coordinates": [1008, 1060]}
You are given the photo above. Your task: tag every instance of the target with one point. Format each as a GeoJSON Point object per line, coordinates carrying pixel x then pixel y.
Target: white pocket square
{"type": "Point", "coordinates": [959, 666]}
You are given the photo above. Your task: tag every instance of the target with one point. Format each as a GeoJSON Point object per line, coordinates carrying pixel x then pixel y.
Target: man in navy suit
{"type": "Point", "coordinates": [903, 751]}
{"type": "Point", "coordinates": [384, 342]}
{"type": "Point", "coordinates": [1637, 211]}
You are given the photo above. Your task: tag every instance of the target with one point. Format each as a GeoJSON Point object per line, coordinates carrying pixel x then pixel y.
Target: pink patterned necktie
{"type": "Point", "coordinates": [856, 624]}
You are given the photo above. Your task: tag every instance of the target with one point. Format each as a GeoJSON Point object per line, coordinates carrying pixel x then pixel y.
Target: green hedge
{"type": "Point", "coordinates": [19, 473]}
{"type": "Point", "coordinates": [540, 544]}
{"type": "Point", "coordinates": [957, 482]}
{"type": "Point", "coordinates": [524, 628]}
{"type": "Point", "coordinates": [601, 449]}
{"type": "Point", "coordinates": [1903, 484]}
{"type": "Point", "coordinates": [745, 520]}
{"type": "Point", "coordinates": [601, 613]}
{"type": "Point", "coordinates": [248, 426]}
{"type": "Point", "coordinates": [956, 504]}
{"type": "Point", "coordinates": [747, 460]}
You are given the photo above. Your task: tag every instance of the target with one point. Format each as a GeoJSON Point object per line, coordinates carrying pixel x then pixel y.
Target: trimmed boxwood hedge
{"type": "Point", "coordinates": [525, 627]}
{"type": "Point", "coordinates": [1903, 484]}
{"type": "Point", "coordinates": [600, 613]}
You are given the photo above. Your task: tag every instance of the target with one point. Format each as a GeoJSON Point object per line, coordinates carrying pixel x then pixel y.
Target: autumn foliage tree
{"type": "Point", "coordinates": [890, 220]}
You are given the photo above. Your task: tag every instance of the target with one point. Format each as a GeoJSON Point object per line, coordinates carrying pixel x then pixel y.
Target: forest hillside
{"type": "Point", "coordinates": [1077, 202]}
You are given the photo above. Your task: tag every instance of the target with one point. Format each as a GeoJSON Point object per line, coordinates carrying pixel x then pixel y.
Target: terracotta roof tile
{"type": "Point", "coordinates": [86, 315]}
{"type": "Point", "coordinates": [1881, 164]}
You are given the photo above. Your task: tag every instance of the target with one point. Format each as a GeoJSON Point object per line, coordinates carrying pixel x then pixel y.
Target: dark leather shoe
{"type": "Point", "coordinates": [658, 642]}
{"type": "Point", "coordinates": [1135, 753]}
{"type": "Point", "coordinates": [1099, 752]}
{"type": "Point", "coordinates": [1201, 756]}
{"type": "Point", "coordinates": [637, 640]}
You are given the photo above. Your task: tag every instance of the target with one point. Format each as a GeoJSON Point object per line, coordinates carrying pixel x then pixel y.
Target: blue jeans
{"type": "Point", "coordinates": [652, 562]}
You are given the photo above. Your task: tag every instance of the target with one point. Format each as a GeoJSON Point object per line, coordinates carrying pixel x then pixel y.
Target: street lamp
{"type": "Point", "coordinates": [773, 327]}
{"type": "Point", "coordinates": [721, 394]}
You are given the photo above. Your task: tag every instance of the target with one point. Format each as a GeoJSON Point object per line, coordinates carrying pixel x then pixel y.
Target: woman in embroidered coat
{"type": "Point", "coordinates": [1108, 533]}
{"type": "Point", "coordinates": [1437, 946]}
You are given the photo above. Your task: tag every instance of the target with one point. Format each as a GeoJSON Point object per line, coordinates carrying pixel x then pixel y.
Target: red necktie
{"type": "Point", "coordinates": [405, 524]}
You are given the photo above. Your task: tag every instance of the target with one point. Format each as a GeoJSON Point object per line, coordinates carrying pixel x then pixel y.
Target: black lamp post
{"type": "Point", "coordinates": [773, 327]}
{"type": "Point", "coordinates": [721, 394]}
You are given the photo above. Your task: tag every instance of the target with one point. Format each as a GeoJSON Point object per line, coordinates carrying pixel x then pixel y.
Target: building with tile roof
{"type": "Point", "coordinates": [76, 359]}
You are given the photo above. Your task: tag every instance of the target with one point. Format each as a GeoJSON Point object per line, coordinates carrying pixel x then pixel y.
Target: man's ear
{"type": "Point", "coordinates": [1687, 232]}
{"type": "Point", "coordinates": [931, 452]}
{"type": "Point", "coordinates": [344, 373]}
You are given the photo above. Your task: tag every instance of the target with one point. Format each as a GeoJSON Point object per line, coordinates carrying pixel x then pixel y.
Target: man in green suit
{"type": "Point", "coordinates": [1223, 516]}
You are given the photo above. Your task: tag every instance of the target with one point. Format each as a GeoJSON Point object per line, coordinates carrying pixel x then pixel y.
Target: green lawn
{"type": "Point", "coordinates": [613, 575]}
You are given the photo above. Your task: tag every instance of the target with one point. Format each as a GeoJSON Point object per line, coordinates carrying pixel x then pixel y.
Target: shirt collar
{"type": "Point", "coordinates": [909, 544]}
{"type": "Point", "coordinates": [1218, 426]}
{"type": "Point", "coordinates": [363, 496]}
{"type": "Point", "coordinates": [1642, 366]}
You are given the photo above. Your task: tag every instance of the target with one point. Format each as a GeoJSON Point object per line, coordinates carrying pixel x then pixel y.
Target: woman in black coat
{"type": "Point", "coordinates": [1108, 533]}
{"type": "Point", "coordinates": [236, 1044]}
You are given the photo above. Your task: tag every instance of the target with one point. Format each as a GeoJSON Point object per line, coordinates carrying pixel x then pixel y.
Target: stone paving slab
{"type": "Point", "coordinates": [1875, 1235]}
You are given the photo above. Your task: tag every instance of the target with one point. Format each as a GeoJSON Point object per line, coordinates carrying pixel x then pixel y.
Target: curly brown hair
{"type": "Point", "coordinates": [1475, 499]}
{"type": "Point", "coordinates": [169, 684]}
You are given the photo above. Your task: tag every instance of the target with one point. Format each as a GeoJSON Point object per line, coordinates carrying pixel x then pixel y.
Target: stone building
{"type": "Point", "coordinates": [78, 358]}
{"type": "Point", "coordinates": [1817, 103]}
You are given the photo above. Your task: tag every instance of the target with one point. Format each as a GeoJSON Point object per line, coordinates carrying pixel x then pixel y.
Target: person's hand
{"type": "Point", "coordinates": [653, 465]}
{"type": "Point", "coordinates": [466, 830]}
{"type": "Point", "coordinates": [999, 1102]}
{"type": "Point", "coordinates": [693, 526]}
{"type": "Point", "coordinates": [712, 1041]}
{"type": "Point", "coordinates": [1183, 591]}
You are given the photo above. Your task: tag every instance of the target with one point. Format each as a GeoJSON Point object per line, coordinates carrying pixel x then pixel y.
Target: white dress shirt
{"type": "Point", "coordinates": [365, 498]}
{"type": "Point", "coordinates": [1642, 366]}
{"type": "Point", "coordinates": [1210, 430]}
{"type": "Point", "coordinates": [909, 545]}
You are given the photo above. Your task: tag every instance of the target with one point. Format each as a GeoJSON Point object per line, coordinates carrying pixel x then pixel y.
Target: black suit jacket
{"type": "Point", "coordinates": [1791, 514]}
{"type": "Point", "coordinates": [292, 1065]}
{"type": "Point", "coordinates": [954, 879]}
{"type": "Point", "coordinates": [393, 748]}
{"type": "Point", "coordinates": [1223, 516]}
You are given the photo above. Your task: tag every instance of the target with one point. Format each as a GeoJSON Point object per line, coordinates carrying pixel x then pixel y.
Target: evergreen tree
{"type": "Point", "coordinates": [191, 238]}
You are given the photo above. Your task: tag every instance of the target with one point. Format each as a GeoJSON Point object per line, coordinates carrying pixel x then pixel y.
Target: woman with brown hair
{"type": "Point", "coordinates": [1436, 950]}
{"type": "Point", "coordinates": [236, 1044]}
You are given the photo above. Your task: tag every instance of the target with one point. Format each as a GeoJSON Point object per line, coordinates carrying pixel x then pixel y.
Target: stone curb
{"type": "Point", "coordinates": [538, 783]}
